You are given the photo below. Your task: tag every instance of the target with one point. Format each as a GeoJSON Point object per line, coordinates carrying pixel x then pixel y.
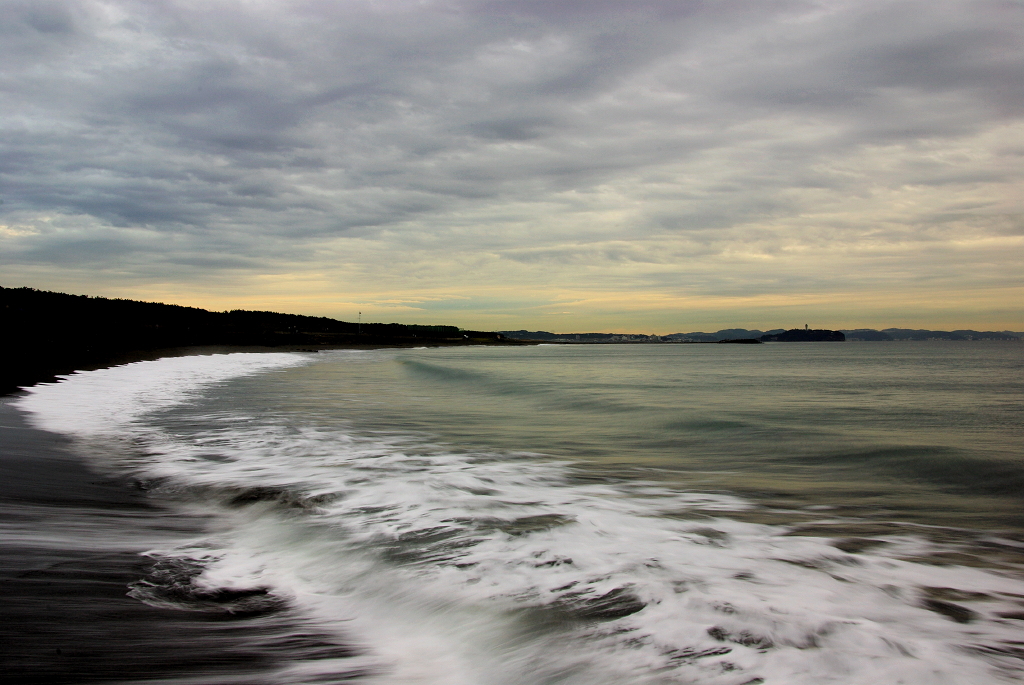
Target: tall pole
{"type": "Point", "coordinates": [359, 326]}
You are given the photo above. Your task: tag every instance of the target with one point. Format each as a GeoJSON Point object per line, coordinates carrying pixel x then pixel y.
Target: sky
{"type": "Point", "coordinates": [565, 165]}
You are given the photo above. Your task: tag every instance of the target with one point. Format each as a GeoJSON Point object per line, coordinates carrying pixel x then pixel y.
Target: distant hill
{"type": "Point", "coordinates": [867, 334]}
{"type": "Point", "coordinates": [919, 334]}
{"type": "Point", "coordinates": [861, 334]}
{"type": "Point", "coordinates": [724, 334]}
{"type": "Point", "coordinates": [718, 336]}
{"type": "Point", "coordinates": [579, 337]}
{"type": "Point", "coordinates": [47, 333]}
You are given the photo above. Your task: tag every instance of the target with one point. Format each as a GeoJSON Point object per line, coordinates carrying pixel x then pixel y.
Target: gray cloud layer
{"type": "Point", "coordinates": [639, 149]}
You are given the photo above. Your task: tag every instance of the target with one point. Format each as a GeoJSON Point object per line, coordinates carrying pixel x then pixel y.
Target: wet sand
{"type": "Point", "coordinates": [71, 545]}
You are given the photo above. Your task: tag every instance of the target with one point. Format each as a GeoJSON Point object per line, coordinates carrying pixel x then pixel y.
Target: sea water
{"type": "Point", "coordinates": [588, 514]}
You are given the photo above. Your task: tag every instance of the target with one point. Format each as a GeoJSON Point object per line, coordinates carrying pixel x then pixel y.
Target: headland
{"type": "Point", "coordinates": [49, 333]}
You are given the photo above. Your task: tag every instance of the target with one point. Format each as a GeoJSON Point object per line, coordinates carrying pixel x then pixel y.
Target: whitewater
{"type": "Point", "coordinates": [583, 514]}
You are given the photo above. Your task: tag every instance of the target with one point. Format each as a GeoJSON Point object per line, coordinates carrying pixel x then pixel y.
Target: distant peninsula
{"type": "Point", "coordinates": [49, 333]}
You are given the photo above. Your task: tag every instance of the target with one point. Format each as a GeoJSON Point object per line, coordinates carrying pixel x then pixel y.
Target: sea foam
{"type": "Point", "coordinates": [102, 401]}
{"type": "Point", "coordinates": [463, 567]}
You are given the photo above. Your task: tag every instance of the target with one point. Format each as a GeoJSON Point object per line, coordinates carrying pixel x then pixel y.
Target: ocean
{"type": "Point", "coordinates": [786, 514]}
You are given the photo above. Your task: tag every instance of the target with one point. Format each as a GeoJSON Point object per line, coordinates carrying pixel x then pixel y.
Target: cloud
{"type": "Point", "coordinates": [450, 145]}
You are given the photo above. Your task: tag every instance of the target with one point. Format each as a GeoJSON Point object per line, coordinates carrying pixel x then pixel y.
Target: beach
{"type": "Point", "coordinates": [73, 542]}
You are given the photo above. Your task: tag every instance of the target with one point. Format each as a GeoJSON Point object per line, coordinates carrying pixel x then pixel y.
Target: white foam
{"type": "Point", "coordinates": [455, 568]}
{"type": "Point", "coordinates": [451, 610]}
{"type": "Point", "coordinates": [105, 400]}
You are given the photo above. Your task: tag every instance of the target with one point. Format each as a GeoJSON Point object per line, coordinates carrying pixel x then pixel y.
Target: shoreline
{"type": "Point", "coordinates": [52, 334]}
{"type": "Point", "coordinates": [74, 542]}
{"type": "Point", "coordinates": [13, 381]}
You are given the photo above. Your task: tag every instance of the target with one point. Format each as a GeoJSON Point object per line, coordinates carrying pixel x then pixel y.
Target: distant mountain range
{"type": "Point", "coordinates": [888, 334]}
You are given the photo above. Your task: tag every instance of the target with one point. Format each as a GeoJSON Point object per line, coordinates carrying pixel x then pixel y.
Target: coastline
{"type": "Point", "coordinates": [66, 617]}
{"type": "Point", "coordinates": [75, 538]}
{"type": "Point", "coordinates": [52, 334]}
{"type": "Point", "coordinates": [27, 373]}
{"type": "Point", "coordinates": [73, 543]}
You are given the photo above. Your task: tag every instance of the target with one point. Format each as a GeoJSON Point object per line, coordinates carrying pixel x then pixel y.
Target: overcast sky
{"type": "Point", "coordinates": [570, 165]}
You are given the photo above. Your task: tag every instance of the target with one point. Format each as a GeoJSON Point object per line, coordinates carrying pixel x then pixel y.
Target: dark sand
{"type": "Point", "coordinates": [71, 544]}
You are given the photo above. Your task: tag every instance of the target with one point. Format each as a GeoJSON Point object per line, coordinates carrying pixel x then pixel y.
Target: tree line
{"type": "Point", "coordinates": [47, 333]}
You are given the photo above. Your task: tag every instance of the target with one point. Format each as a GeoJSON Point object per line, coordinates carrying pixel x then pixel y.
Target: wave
{"type": "Point", "coordinates": [942, 466]}
{"type": "Point", "coordinates": [103, 401]}
{"type": "Point", "coordinates": [519, 387]}
{"type": "Point", "coordinates": [443, 565]}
